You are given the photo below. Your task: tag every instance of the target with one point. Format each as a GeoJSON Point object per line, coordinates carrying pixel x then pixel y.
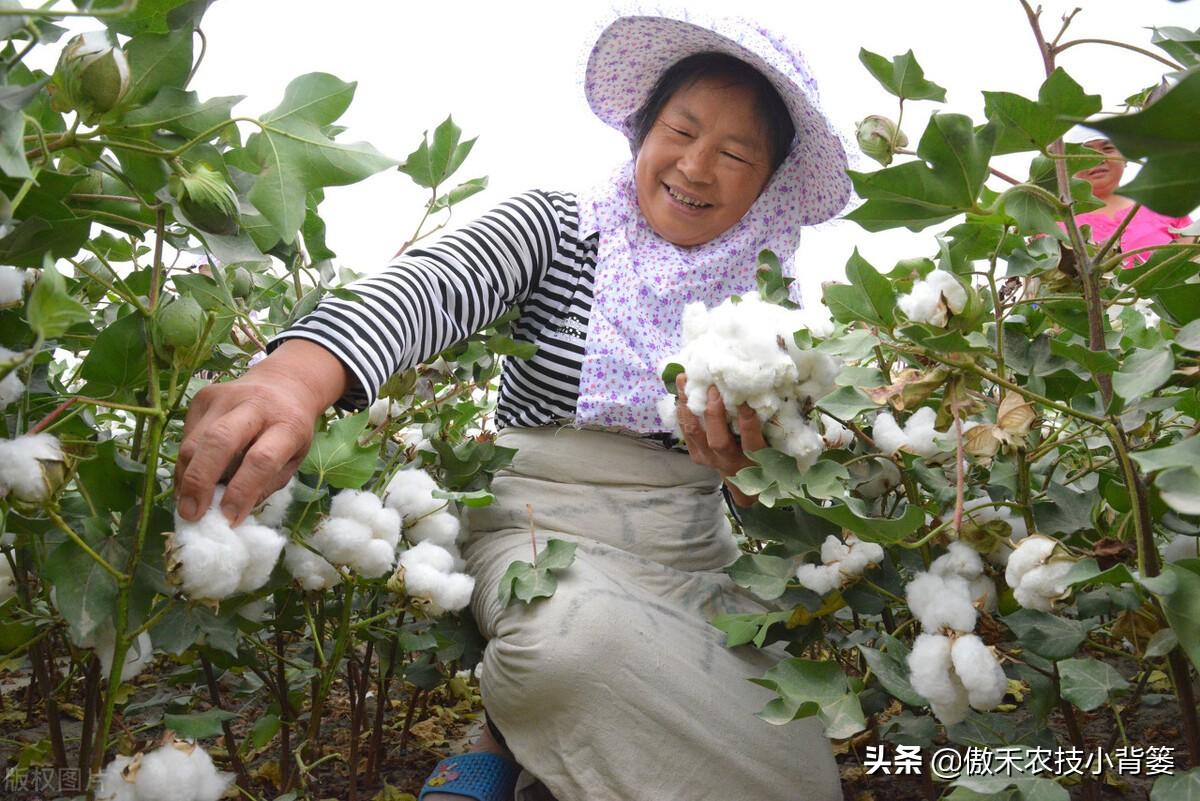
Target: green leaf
{"type": "Point", "coordinates": [869, 297]}
{"type": "Point", "coordinates": [1032, 125]}
{"type": "Point", "coordinates": [51, 309]}
{"type": "Point", "coordinates": [851, 514]}
{"type": "Point", "coordinates": [1047, 635]}
{"type": "Point", "coordinates": [115, 367]}
{"type": "Point", "coordinates": [475, 498]}
{"type": "Point", "coordinates": [1182, 606]}
{"type": "Point", "coordinates": [766, 576]}
{"type": "Point", "coordinates": [891, 668]}
{"type": "Point", "coordinates": [1184, 453]}
{"type": "Point", "coordinates": [1088, 683]}
{"type": "Point", "coordinates": [180, 112]}
{"type": "Point", "coordinates": [808, 687]}
{"type": "Point", "coordinates": [902, 76]}
{"type": "Point", "coordinates": [556, 555]}
{"type": "Point", "coordinates": [1177, 787]}
{"type": "Point", "coordinates": [156, 61]}
{"type": "Point", "coordinates": [337, 458]}
{"type": "Point", "coordinates": [1064, 511]}
{"type": "Point", "coordinates": [745, 628]}
{"type": "Point", "coordinates": [264, 730]}
{"type": "Point", "coordinates": [945, 181]}
{"type": "Point", "coordinates": [1165, 135]}
{"type": "Point", "coordinates": [846, 403]}
{"type": "Point", "coordinates": [432, 163]}
{"type": "Point", "coordinates": [109, 480]}
{"type": "Point", "coordinates": [525, 582]}
{"type": "Point", "coordinates": [1188, 337]}
{"type": "Point", "coordinates": [459, 193]}
{"type": "Point", "coordinates": [1033, 213]}
{"type": "Point", "coordinates": [507, 346]}
{"type": "Point", "coordinates": [1180, 43]}
{"type": "Point", "coordinates": [198, 725]}
{"type": "Point", "coordinates": [1144, 371]}
{"type": "Point", "coordinates": [1182, 303]}
{"type": "Point", "coordinates": [149, 16]}
{"type": "Point", "coordinates": [12, 143]}
{"type": "Point", "coordinates": [86, 593]}
{"type": "Point", "coordinates": [1179, 488]}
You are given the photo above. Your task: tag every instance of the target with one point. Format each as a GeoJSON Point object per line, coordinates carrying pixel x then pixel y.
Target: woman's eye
{"type": "Point", "coordinates": [735, 157]}
{"type": "Point", "coordinates": [680, 132]}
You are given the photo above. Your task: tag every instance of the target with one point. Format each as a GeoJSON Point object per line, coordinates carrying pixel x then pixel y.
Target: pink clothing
{"type": "Point", "coordinates": [1147, 228]}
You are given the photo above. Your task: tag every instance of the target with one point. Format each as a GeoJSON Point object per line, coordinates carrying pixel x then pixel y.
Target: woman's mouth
{"type": "Point", "coordinates": [685, 201]}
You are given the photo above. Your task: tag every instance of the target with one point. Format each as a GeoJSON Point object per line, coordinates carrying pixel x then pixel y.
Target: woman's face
{"type": "Point", "coordinates": [1105, 177]}
{"type": "Point", "coordinates": [703, 163]}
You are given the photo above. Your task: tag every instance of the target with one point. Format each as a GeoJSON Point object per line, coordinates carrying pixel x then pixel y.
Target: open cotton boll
{"type": "Point", "coordinates": [931, 669]}
{"type": "Point", "coordinates": [377, 415]}
{"type": "Point", "coordinates": [953, 712]}
{"type": "Point", "coordinates": [441, 529]}
{"type": "Point", "coordinates": [920, 433]}
{"type": "Point", "coordinates": [11, 386]}
{"type": "Point", "coordinates": [385, 525]}
{"type": "Point", "coordinates": [933, 299]}
{"type": "Point", "coordinates": [355, 504]}
{"type": "Point", "coordinates": [431, 554]}
{"type": "Point", "coordinates": [311, 570]}
{"type": "Point", "coordinates": [939, 601]}
{"type": "Point", "coordinates": [979, 671]}
{"type": "Point", "coordinates": [340, 539]}
{"type": "Point", "coordinates": [12, 286]}
{"type": "Point", "coordinates": [820, 579]}
{"type": "Point", "coordinates": [862, 555]}
{"type": "Point", "coordinates": [113, 785]}
{"type": "Point", "coordinates": [1031, 552]}
{"type": "Point", "coordinates": [960, 559]}
{"type": "Point", "coordinates": [445, 591]}
{"type": "Point", "coordinates": [274, 509]}
{"type": "Point", "coordinates": [667, 406]}
{"type": "Point", "coordinates": [180, 772]}
{"type": "Point", "coordinates": [835, 434]}
{"type": "Point", "coordinates": [26, 463]}
{"type": "Point", "coordinates": [410, 493]}
{"type": "Point", "coordinates": [790, 432]}
{"type": "Point", "coordinates": [888, 435]}
{"type": "Point", "coordinates": [833, 549]}
{"type": "Point", "coordinates": [207, 558]}
{"type": "Point", "coordinates": [375, 559]}
{"type": "Point", "coordinates": [1180, 546]}
{"type": "Point", "coordinates": [1042, 585]}
{"type": "Point", "coordinates": [262, 546]}
{"type": "Point", "coordinates": [983, 593]}
{"type": "Point", "coordinates": [8, 584]}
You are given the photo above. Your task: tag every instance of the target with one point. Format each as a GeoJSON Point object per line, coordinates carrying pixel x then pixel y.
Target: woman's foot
{"type": "Point", "coordinates": [485, 744]}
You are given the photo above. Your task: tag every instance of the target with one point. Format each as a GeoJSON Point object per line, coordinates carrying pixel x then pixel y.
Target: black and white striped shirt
{"type": "Point", "coordinates": [527, 252]}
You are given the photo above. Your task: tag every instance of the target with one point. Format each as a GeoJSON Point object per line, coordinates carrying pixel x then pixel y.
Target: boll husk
{"type": "Point", "coordinates": [428, 573]}
{"type": "Point", "coordinates": [206, 200]}
{"type": "Point", "coordinates": [32, 468]}
{"type": "Point", "coordinates": [934, 299]}
{"type": "Point", "coordinates": [879, 138]}
{"type": "Point", "coordinates": [747, 350]}
{"type": "Point", "coordinates": [12, 287]}
{"type": "Point", "coordinates": [92, 76]}
{"type": "Point", "coordinates": [1036, 574]}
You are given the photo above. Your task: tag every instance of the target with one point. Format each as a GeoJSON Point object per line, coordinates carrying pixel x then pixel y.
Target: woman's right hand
{"type": "Point", "coordinates": [254, 430]}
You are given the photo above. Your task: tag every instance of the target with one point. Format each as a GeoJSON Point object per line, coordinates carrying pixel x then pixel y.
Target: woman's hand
{"type": "Point", "coordinates": [711, 442]}
{"type": "Point", "coordinates": [255, 430]}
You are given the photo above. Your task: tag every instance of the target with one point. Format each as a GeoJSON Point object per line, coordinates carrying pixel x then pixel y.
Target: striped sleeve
{"type": "Point", "coordinates": [434, 296]}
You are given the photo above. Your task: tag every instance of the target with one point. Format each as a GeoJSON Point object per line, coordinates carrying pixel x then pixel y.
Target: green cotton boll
{"type": "Point", "coordinates": [206, 200]}
{"type": "Point", "coordinates": [92, 76]}
{"type": "Point", "coordinates": [178, 326]}
{"type": "Point", "coordinates": [879, 138]}
{"type": "Point", "coordinates": [242, 284]}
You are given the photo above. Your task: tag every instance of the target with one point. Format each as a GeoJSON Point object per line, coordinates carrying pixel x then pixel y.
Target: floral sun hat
{"type": "Point", "coordinates": [642, 281]}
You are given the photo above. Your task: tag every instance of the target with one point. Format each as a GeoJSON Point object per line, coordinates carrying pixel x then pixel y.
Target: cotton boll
{"type": "Point", "coordinates": [263, 546]}
{"type": "Point", "coordinates": [983, 593]}
{"type": "Point", "coordinates": [12, 286]}
{"type": "Point", "coordinates": [207, 558]}
{"type": "Point", "coordinates": [11, 386]}
{"type": "Point", "coordinates": [979, 671]}
{"type": "Point", "coordinates": [444, 591]}
{"type": "Point", "coordinates": [881, 476]}
{"type": "Point", "coordinates": [1180, 546]}
{"type": "Point", "coordinates": [953, 712]}
{"type": "Point", "coordinates": [274, 509]}
{"type": "Point", "coordinates": [821, 579]}
{"type": "Point", "coordinates": [30, 467]}
{"type": "Point", "coordinates": [409, 493]}
{"type": "Point", "coordinates": [340, 539]}
{"type": "Point", "coordinates": [1041, 585]}
{"type": "Point", "coordinates": [667, 411]}
{"type": "Point", "coordinates": [862, 555]}
{"type": "Point", "coordinates": [377, 415]}
{"type": "Point", "coordinates": [930, 666]}
{"type": "Point", "coordinates": [1031, 552]}
{"type": "Point", "coordinates": [950, 289]}
{"type": "Point", "coordinates": [790, 432]}
{"type": "Point", "coordinates": [941, 602]}
{"type": "Point", "coordinates": [180, 772]}
{"type": "Point", "coordinates": [356, 505]}
{"type": "Point", "coordinates": [961, 560]}
{"type": "Point", "coordinates": [835, 434]}
{"type": "Point", "coordinates": [888, 436]}
{"type": "Point", "coordinates": [933, 299]}
{"type": "Point", "coordinates": [833, 550]}
{"type": "Point", "coordinates": [311, 570]}
{"type": "Point", "coordinates": [440, 529]}
{"type": "Point", "coordinates": [920, 433]}
{"type": "Point", "coordinates": [375, 559]}
{"type": "Point", "coordinates": [112, 784]}
{"type": "Point", "coordinates": [8, 584]}
{"type": "Point", "coordinates": [454, 593]}
{"type": "Point", "coordinates": [385, 525]}
{"type": "Point", "coordinates": [430, 554]}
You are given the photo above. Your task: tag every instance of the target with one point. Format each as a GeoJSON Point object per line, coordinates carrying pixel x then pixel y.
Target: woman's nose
{"type": "Point", "coordinates": [696, 164]}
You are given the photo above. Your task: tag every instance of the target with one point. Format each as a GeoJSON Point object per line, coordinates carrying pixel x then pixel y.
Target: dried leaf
{"type": "Point", "coordinates": [1016, 415]}
{"type": "Point", "coordinates": [981, 440]}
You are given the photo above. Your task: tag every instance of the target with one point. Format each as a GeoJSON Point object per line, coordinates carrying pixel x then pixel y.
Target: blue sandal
{"type": "Point", "coordinates": [479, 775]}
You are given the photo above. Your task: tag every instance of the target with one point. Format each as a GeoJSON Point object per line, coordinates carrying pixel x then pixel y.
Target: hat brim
{"type": "Point", "coordinates": [633, 51]}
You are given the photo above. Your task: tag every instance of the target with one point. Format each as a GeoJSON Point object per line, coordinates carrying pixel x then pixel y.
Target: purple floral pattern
{"type": "Point", "coordinates": [642, 281]}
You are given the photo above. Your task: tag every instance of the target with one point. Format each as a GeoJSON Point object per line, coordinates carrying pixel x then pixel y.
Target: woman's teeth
{"type": "Point", "coordinates": [687, 200]}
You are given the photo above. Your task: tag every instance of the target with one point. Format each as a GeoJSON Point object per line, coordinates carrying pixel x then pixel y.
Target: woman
{"type": "Point", "coordinates": [616, 687]}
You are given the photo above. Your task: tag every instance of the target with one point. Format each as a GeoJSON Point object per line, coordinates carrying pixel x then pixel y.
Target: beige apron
{"type": "Point", "coordinates": [617, 688]}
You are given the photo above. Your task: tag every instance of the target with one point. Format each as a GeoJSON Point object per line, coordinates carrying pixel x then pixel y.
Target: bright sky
{"type": "Point", "coordinates": [510, 74]}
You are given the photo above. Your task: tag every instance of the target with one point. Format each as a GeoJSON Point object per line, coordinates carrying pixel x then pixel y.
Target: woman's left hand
{"type": "Point", "coordinates": [711, 442]}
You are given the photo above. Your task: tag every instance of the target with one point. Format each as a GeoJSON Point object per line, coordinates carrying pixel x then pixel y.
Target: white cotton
{"type": "Point", "coordinates": [939, 602]}
{"type": "Point", "coordinates": [340, 539]}
{"type": "Point", "coordinates": [12, 286]}
{"type": "Point", "coordinates": [960, 560]}
{"type": "Point", "coordinates": [11, 386]}
{"type": "Point", "coordinates": [835, 434]}
{"type": "Point", "coordinates": [409, 493]}
{"type": "Point", "coordinates": [820, 579]}
{"type": "Point", "coordinates": [23, 462]}
{"type": "Point", "coordinates": [385, 525]}
{"type": "Point", "coordinates": [180, 772]}
{"type": "Point", "coordinates": [983, 593]}
{"type": "Point", "coordinates": [311, 570]}
{"type": "Point", "coordinates": [274, 509]}
{"type": "Point", "coordinates": [817, 320]}
{"type": "Point", "coordinates": [833, 549]}
{"type": "Point", "coordinates": [933, 299]}
{"type": "Point", "coordinates": [884, 477]}
{"type": "Point", "coordinates": [375, 559]}
{"type": "Point", "coordinates": [1180, 546]}
{"type": "Point", "coordinates": [112, 785]}
{"type": "Point", "coordinates": [445, 591]}
{"type": "Point", "coordinates": [255, 611]}
{"type": "Point", "coordinates": [356, 505]}
{"type": "Point", "coordinates": [667, 406]}
{"type": "Point", "coordinates": [137, 656]}
{"type": "Point", "coordinates": [983, 511]}
{"type": "Point", "coordinates": [953, 712]}
{"type": "Point", "coordinates": [920, 432]}
{"type": "Point", "coordinates": [8, 584]}
{"type": "Point", "coordinates": [1029, 553]}
{"type": "Point", "coordinates": [979, 671]}
{"type": "Point", "coordinates": [862, 555]}
{"type": "Point", "coordinates": [790, 432]}
{"type": "Point", "coordinates": [441, 529]}
{"type": "Point", "coordinates": [263, 546]}
{"type": "Point", "coordinates": [888, 436]}
{"type": "Point", "coordinates": [208, 556]}
{"type": "Point", "coordinates": [1042, 585]}
{"type": "Point", "coordinates": [428, 553]}
{"type": "Point", "coordinates": [930, 669]}
{"type": "Point", "coordinates": [377, 415]}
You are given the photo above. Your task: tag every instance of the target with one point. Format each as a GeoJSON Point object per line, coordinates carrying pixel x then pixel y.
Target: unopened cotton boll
{"type": "Point", "coordinates": [410, 493]}
{"type": "Point", "coordinates": [941, 601]}
{"type": "Point", "coordinates": [441, 529]}
{"type": "Point", "coordinates": [933, 299]}
{"type": "Point", "coordinates": [821, 579]}
{"type": "Point", "coordinates": [180, 772]}
{"type": "Point", "coordinates": [31, 467]}
{"type": "Point", "coordinates": [960, 559]}
{"type": "Point", "coordinates": [979, 671]}
{"type": "Point", "coordinates": [262, 546]}
{"type": "Point", "coordinates": [310, 569]}
{"type": "Point", "coordinates": [12, 286]}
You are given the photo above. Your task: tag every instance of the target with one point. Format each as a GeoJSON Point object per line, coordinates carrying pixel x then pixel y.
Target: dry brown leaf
{"type": "Point", "coordinates": [981, 440]}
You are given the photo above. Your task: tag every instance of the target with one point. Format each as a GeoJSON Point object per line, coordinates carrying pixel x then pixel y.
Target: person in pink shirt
{"type": "Point", "coordinates": [1145, 229]}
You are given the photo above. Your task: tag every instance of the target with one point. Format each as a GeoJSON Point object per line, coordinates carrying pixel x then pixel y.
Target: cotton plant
{"type": "Point", "coordinates": [917, 435]}
{"type": "Point", "coordinates": [175, 771]}
{"type": "Point", "coordinates": [32, 467]}
{"type": "Point", "coordinates": [747, 350]}
{"type": "Point", "coordinates": [841, 563]}
{"type": "Point", "coordinates": [425, 518]}
{"type": "Point", "coordinates": [432, 574]}
{"type": "Point", "coordinates": [1036, 571]}
{"type": "Point", "coordinates": [934, 299]}
{"type": "Point", "coordinates": [359, 533]}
